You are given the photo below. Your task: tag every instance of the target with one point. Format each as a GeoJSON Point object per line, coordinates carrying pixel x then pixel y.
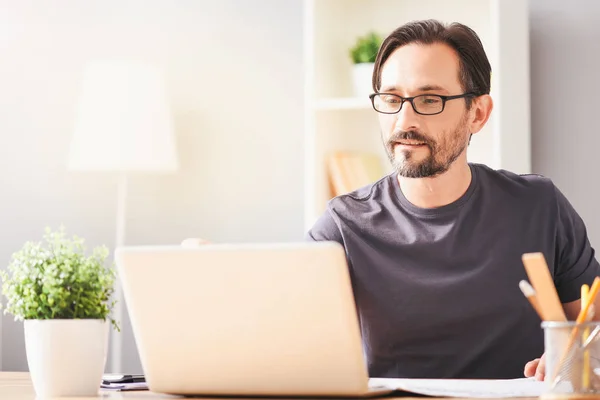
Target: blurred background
{"type": "Point", "coordinates": [248, 100]}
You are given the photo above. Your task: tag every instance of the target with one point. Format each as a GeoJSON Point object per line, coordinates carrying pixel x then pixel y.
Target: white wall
{"type": "Point", "coordinates": [565, 102]}
{"type": "Point", "coordinates": [241, 176]}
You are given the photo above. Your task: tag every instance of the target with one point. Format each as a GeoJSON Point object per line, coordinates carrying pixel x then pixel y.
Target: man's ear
{"type": "Point", "coordinates": [481, 108]}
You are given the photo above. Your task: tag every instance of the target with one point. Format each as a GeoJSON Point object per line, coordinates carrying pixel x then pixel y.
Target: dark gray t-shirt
{"type": "Point", "coordinates": [437, 290]}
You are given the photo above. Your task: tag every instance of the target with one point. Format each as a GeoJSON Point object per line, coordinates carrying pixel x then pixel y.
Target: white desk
{"type": "Point", "coordinates": [17, 386]}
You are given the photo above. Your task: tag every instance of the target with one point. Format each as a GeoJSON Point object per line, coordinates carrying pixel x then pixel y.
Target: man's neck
{"type": "Point", "coordinates": [440, 190]}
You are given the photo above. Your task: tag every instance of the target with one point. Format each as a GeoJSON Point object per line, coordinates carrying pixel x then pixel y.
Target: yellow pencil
{"type": "Point", "coordinates": [585, 291]}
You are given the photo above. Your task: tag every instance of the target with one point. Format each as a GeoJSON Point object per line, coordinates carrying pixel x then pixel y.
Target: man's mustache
{"type": "Point", "coordinates": [409, 135]}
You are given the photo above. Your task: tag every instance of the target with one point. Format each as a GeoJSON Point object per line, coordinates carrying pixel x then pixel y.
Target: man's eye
{"type": "Point", "coordinates": [430, 100]}
{"type": "Point", "coordinates": [390, 99]}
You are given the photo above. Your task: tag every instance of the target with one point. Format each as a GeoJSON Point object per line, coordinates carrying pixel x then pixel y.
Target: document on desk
{"type": "Point", "coordinates": [471, 388]}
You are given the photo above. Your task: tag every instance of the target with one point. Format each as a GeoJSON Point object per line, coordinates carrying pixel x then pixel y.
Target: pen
{"type": "Point", "coordinates": [529, 293]}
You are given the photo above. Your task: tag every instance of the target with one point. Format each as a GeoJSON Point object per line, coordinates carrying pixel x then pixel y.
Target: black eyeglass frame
{"type": "Point", "coordinates": [411, 101]}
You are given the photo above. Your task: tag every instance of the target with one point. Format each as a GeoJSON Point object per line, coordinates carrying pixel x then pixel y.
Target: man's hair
{"type": "Point", "coordinates": [474, 67]}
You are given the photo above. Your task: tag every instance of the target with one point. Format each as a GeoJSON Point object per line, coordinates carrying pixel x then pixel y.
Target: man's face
{"type": "Point", "coordinates": [424, 145]}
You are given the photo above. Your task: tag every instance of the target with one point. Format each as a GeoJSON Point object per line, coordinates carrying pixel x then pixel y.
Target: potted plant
{"type": "Point", "coordinates": [363, 55]}
{"type": "Point", "coordinates": [64, 299]}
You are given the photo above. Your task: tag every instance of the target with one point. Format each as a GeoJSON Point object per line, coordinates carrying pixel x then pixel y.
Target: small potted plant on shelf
{"type": "Point", "coordinates": [363, 55]}
{"type": "Point", "coordinates": [64, 298]}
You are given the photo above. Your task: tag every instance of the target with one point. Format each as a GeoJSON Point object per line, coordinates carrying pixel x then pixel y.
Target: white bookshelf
{"type": "Point", "coordinates": [337, 120]}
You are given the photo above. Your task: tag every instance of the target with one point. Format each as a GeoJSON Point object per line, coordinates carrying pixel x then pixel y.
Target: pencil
{"type": "Point", "coordinates": [585, 291]}
{"type": "Point", "coordinates": [529, 293]}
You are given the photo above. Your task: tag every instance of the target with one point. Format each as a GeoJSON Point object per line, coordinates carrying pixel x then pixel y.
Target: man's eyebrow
{"type": "Point", "coordinates": [431, 88]}
{"type": "Point", "coordinates": [424, 88]}
{"type": "Point", "coordinates": [388, 89]}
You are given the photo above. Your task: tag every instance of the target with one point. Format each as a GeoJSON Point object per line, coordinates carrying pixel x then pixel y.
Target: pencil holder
{"type": "Point", "coordinates": [572, 359]}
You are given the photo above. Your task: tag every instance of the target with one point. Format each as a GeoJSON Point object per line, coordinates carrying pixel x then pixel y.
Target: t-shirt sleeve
{"type": "Point", "coordinates": [325, 229]}
{"type": "Point", "coordinates": [576, 263]}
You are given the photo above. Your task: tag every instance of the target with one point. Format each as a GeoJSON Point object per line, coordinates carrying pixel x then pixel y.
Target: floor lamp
{"type": "Point", "coordinates": [123, 125]}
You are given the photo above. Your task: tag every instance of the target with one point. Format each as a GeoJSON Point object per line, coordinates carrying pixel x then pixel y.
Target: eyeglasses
{"type": "Point", "coordinates": [424, 104]}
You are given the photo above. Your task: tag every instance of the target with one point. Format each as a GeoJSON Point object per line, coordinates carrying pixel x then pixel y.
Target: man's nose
{"type": "Point", "coordinates": [407, 119]}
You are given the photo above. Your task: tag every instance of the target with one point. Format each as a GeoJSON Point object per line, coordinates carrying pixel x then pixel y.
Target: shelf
{"type": "Point", "coordinates": [343, 103]}
{"type": "Point", "coordinates": [340, 119]}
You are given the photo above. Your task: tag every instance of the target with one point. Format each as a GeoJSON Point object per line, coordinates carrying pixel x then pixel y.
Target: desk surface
{"type": "Point", "coordinates": [17, 386]}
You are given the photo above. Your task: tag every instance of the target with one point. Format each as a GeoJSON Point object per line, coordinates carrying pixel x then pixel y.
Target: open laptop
{"type": "Point", "coordinates": [245, 319]}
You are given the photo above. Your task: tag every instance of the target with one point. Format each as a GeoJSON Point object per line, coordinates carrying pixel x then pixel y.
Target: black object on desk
{"type": "Point", "coordinates": [121, 382]}
{"type": "Point", "coordinates": [109, 379]}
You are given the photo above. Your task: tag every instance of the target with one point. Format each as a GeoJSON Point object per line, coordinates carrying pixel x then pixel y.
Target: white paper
{"type": "Point", "coordinates": [473, 388]}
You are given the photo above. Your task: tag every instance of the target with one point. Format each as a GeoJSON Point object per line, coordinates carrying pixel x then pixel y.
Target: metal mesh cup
{"type": "Point", "coordinates": [572, 357]}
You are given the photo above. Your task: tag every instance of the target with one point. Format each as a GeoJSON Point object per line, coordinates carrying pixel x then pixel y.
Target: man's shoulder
{"type": "Point", "coordinates": [506, 180]}
{"type": "Point", "coordinates": [365, 196]}
{"type": "Point", "coordinates": [348, 208]}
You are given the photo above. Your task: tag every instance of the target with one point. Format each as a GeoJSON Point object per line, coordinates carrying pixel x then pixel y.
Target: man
{"type": "Point", "coordinates": [434, 249]}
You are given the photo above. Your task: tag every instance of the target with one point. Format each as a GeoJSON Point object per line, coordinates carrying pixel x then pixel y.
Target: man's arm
{"type": "Point", "coordinates": [572, 309]}
{"type": "Point", "coordinates": [576, 265]}
{"type": "Point", "coordinates": [325, 229]}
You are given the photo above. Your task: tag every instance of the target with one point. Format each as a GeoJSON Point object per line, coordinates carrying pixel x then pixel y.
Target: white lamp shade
{"type": "Point", "coordinates": [123, 120]}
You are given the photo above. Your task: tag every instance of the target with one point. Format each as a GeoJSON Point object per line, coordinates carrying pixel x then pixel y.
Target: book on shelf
{"type": "Point", "coordinates": [350, 170]}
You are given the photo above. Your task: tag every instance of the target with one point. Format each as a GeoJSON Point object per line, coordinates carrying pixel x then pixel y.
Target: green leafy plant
{"type": "Point", "coordinates": [365, 49]}
{"type": "Point", "coordinates": [54, 279]}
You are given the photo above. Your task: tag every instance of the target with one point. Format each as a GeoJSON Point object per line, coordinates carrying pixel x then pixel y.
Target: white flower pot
{"type": "Point", "coordinates": [66, 357]}
{"type": "Point", "coordinates": [362, 75]}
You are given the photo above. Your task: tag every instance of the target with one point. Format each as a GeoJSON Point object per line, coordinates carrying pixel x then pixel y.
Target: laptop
{"type": "Point", "coordinates": [275, 319]}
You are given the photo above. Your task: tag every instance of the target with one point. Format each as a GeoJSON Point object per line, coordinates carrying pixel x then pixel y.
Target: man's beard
{"type": "Point", "coordinates": [441, 154]}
